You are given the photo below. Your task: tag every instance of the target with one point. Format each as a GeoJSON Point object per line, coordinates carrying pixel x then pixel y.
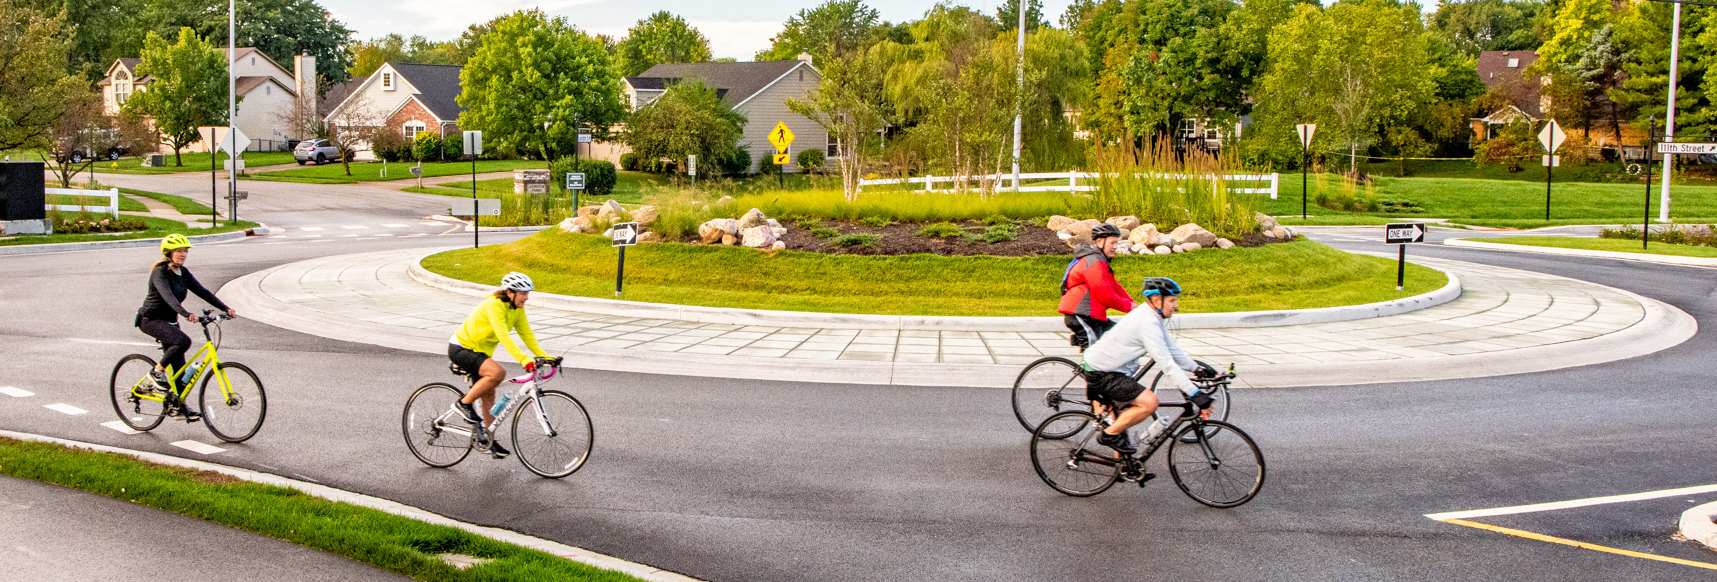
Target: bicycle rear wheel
{"type": "Point", "coordinates": [132, 372]}
{"type": "Point", "coordinates": [1221, 468]}
{"type": "Point", "coordinates": [436, 434]}
{"type": "Point", "coordinates": [1077, 466]}
{"type": "Point", "coordinates": [233, 416]}
{"type": "Point", "coordinates": [1042, 389]}
{"type": "Point", "coordinates": [554, 440]}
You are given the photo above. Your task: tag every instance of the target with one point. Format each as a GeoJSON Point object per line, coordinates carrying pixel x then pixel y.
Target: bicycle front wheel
{"type": "Point", "coordinates": [552, 434]}
{"type": "Point", "coordinates": [234, 414]}
{"type": "Point", "coordinates": [1167, 393]}
{"type": "Point", "coordinates": [1043, 389]}
{"type": "Point", "coordinates": [140, 405]}
{"type": "Point", "coordinates": [436, 434]}
{"type": "Point", "coordinates": [1077, 466]}
{"type": "Point", "coordinates": [1218, 466]}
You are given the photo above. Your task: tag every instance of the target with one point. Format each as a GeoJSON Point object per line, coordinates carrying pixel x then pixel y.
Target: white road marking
{"type": "Point", "coordinates": [279, 243]}
{"type": "Point", "coordinates": [197, 447]}
{"type": "Point", "coordinates": [395, 226]}
{"type": "Point", "coordinates": [323, 240]}
{"type": "Point", "coordinates": [119, 425]}
{"type": "Point", "coordinates": [311, 228]}
{"type": "Point", "coordinates": [1572, 504]}
{"type": "Point", "coordinates": [16, 392]}
{"type": "Point", "coordinates": [355, 227]}
{"type": "Point", "coordinates": [381, 235]}
{"type": "Point", "coordinates": [65, 409]}
{"type": "Point", "coordinates": [412, 235]}
{"type": "Point", "coordinates": [347, 235]}
{"type": "Point", "coordinates": [311, 236]}
{"type": "Point", "coordinates": [96, 341]}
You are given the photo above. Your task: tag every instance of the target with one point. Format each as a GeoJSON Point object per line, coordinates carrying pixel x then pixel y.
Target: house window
{"type": "Point", "coordinates": [253, 61]}
{"type": "Point", "coordinates": [267, 90]}
{"type": "Point", "coordinates": [387, 81]}
{"type": "Point", "coordinates": [412, 128]}
{"type": "Point", "coordinates": [801, 76]}
{"type": "Point", "coordinates": [832, 147]}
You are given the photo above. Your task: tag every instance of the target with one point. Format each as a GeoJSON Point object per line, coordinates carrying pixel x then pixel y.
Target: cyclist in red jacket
{"type": "Point", "coordinates": [1089, 290]}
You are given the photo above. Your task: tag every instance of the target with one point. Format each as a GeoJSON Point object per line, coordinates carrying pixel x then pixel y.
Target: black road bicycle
{"type": "Point", "coordinates": [1054, 384]}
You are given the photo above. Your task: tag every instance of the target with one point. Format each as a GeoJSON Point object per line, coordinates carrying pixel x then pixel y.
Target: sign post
{"type": "Point", "coordinates": [1403, 234]}
{"type": "Point", "coordinates": [1305, 130]}
{"type": "Point", "coordinates": [574, 183]}
{"type": "Point", "coordinates": [624, 235]}
{"type": "Point", "coordinates": [1645, 225]}
{"type": "Point", "coordinates": [233, 143]}
{"type": "Point", "coordinates": [1552, 138]}
{"type": "Point", "coordinates": [473, 148]}
{"type": "Point", "coordinates": [781, 138]}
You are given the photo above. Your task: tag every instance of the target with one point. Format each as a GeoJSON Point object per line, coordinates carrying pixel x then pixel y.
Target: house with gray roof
{"type": "Point", "coordinates": [402, 97]}
{"type": "Point", "coordinates": [758, 90]}
{"type": "Point", "coordinates": [268, 90]}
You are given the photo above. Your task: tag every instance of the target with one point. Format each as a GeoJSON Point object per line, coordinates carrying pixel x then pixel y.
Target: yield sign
{"type": "Point", "coordinates": [234, 141]}
{"type": "Point", "coordinates": [781, 137]}
{"type": "Point", "coordinates": [1552, 136]}
{"type": "Point", "coordinates": [1306, 130]}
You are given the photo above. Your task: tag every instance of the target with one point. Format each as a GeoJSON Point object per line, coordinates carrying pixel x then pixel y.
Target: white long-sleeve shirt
{"type": "Point", "coordinates": [1140, 334]}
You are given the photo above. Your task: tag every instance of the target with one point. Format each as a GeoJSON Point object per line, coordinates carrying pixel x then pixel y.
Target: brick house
{"type": "Point", "coordinates": [402, 97]}
{"type": "Point", "coordinates": [757, 90]}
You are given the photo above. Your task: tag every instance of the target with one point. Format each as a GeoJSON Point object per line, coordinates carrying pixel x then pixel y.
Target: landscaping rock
{"type": "Point", "coordinates": [773, 223]}
{"type": "Point", "coordinates": [649, 236]}
{"type": "Point", "coordinates": [780, 231]}
{"type": "Point", "coordinates": [1141, 248]}
{"type": "Point", "coordinates": [1123, 249]}
{"type": "Point", "coordinates": [1058, 222]}
{"type": "Point", "coordinates": [1125, 233]}
{"type": "Point", "coordinates": [779, 246]}
{"type": "Point", "coordinates": [759, 237]}
{"type": "Point", "coordinates": [1191, 246]}
{"type": "Point", "coordinates": [729, 239]}
{"type": "Point", "coordinates": [645, 215]}
{"type": "Point", "coordinates": [609, 213]}
{"type": "Point", "coordinates": [1144, 233]}
{"type": "Point", "coordinates": [1163, 240]}
{"type": "Point", "coordinates": [1282, 233]}
{"type": "Point", "coordinates": [712, 232]}
{"type": "Point", "coordinates": [1192, 232]}
{"type": "Point", "coordinates": [1124, 222]}
{"type": "Point", "coordinates": [724, 200]}
{"type": "Point", "coordinates": [588, 212]}
{"type": "Point", "coordinates": [1080, 232]}
{"type": "Point", "coordinates": [1179, 249]}
{"type": "Point", "coordinates": [1265, 222]}
{"type": "Point", "coordinates": [1162, 250]}
{"type": "Point", "coordinates": [753, 218]}
{"type": "Point", "coordinates": [1223, 243]}
{"type": "Point", "coordinates": [1698, 231]}
{"type": "Point", "coordinates": [569, 226]}
{"type": "Point", "coordinates": [1270, 233]}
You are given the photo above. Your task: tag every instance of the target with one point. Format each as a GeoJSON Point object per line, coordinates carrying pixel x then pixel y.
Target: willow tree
{"type": "Point", "coordinates": [849, 104]}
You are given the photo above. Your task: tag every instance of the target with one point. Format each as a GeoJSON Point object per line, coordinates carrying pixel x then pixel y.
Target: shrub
{"type": "Point", "coordinates": [808, 224]}
{"type": "Point", "coordinates": [736, 162]}
{"type": "Point", "coordinates": [426, 148]}
{"type": "Point", "coordinates": [767, 166]}
{"type": "Point", "coordinates": [629, 162]}
{"type": "Point", "coordinates": [941, 230]}
{"type": "Point", "coordinates": [452, 149]}
{"type": "Point", "coordinates": [998, 233]}
{"type": "Point", "coordinates": [825, 232]}
{"type": "Point", "coordinates": [812, 160]}
{"type": "Point", "coordinates": [995, 219]}
{"type": "Point", "coordinates": [599, 176]}
{"type": "Point", "coordinates": [875, 221]}
{"type": "Point", "coordinates": [390, 146]}
{"type": "Point", "coordinates": [853, 240]}
{"type": "Point", "coordinates": [85, 223]}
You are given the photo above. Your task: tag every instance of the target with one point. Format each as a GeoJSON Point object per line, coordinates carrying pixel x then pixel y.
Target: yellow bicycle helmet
{"type": "Point", "coordinates": [174, 241]}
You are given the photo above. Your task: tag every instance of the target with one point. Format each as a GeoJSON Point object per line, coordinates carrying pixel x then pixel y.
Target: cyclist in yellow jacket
{"type": "Point", "coordinates": [471, 346]}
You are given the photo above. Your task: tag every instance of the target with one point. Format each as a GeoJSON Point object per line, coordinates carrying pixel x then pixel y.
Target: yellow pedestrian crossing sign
{"type": "Point", "coordinates": [781, 136]}
{"type": "Point", "coordinates": [780, 159]}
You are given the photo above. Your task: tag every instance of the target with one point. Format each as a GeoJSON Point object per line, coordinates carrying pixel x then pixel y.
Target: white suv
{"type": "Point", "coordinates": [320, 151]}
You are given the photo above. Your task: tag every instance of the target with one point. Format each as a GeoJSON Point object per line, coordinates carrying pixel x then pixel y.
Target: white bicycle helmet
{"type": "Point", "coordinates": [516, 281]}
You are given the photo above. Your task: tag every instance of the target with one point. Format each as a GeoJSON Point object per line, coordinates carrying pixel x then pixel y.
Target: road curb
{"type": "Point", "coordinates": [119, 244]}
{"type": "Point", "coordinates": [1638, 257]}
{"type": "Point", "coordinates": [575, 554]}
{"type": "Point", "coordinates": [1698, 524]}
{"type": "Point", "coordinates": [762, 317]}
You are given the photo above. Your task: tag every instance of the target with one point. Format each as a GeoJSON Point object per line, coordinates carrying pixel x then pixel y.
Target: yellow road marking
{"type": "Point", "coordinates": [1584, 545]}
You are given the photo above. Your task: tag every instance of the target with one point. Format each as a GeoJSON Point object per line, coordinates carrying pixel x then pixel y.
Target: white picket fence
{"type": "Point", "coordinates": [1271, 182]}
{"type": "Point", "coordinates": [112, 196]}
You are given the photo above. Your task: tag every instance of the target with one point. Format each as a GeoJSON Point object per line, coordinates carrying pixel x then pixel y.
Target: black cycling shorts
{"type": "Point", "coordinates": [469, 359]}
{"type": "Point", "coordinates": [1086, 330]}
{"type": "Point", "coordinates": [1114, 387]}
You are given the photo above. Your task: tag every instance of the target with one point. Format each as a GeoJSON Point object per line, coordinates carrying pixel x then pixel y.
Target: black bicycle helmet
{"type": "Point", "coordinates": [1105, 230]}
{"type": "Point", "coordinates": [1160, 286]}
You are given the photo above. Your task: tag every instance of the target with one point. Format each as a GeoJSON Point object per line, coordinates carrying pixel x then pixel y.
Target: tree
{"type": "Point", "coordinates": [836, 27]}
{"type": "Point", "coordinates": [1181, 70]}
{"type": "Point", "coordinates": [1643, 31]}
{"type": "Point", "coordinates": [1572, 28]}
{"type": "Point", "coordinates": [33, 79]}
{"type": "Point", "coordinates": [1600, 67]}
{"type": "Point", "coordinates": [1008, 15]}
{"type": "Point", "coordinates": [284, 28]}
{"type": "Point", "coordinates": [688, 119]}
{"type": "Point", "coordinates": [849, 104]}
{"type": "Point", "coordinates": [656, 39]}
{"type": "Point", "coordinates": [82, 133]}
{"type": "Point", "coordinates": [367, 56]}
{"type": "Point", "coordinates": [1474, 26]}
{"type": "Point", "coordinates": [534, 70]}
{"type": "Point", "coordinates": [352, 126]}
{"type": "Point", "coordinates": [189, 90]}
{"type": "Point", "coordinates": [957, 81]}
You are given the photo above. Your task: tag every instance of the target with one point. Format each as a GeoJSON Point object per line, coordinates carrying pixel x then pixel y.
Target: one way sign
{"type": "Point", "coordinates": [1404, 233]}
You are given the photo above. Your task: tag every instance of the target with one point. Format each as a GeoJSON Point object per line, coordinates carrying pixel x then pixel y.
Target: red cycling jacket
{"type": "Point", "coordinates": [1090, 288]}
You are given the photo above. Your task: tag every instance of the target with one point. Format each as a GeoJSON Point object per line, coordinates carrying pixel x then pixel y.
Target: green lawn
{"type": "Point", "coordinates": [194, 162]}
{"type": "Point", "coordinates": [372, 171]}
{"type": "Point", "coordinates": [628, 188]}
{"type": "Point", "coordinates": [383, 540]}
{"type": "Point", "coordinates": [1501, 203]}
{"type": "Point", "coordinates": [125, 204]}
{"type": "Point", "coordinates": [180, 203]}
{"type": "Point", "coordinates": [158, 227]}
{"type": "Point", "coordinates": [1298, 275]}
{"type": "Point", "coordinates": [1619, 245]}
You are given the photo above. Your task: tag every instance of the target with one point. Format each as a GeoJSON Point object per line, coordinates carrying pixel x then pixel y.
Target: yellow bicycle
{"type": "Point", "coordinates": [233, 409]}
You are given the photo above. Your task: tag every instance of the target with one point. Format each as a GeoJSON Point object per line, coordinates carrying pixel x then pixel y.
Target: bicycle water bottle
{"type": "Point", "coordinates": [500, 404]}
{"type": "Point", "coordinates": [189, 375]}
{"type": "Point", "coordinates": [1155, 429]}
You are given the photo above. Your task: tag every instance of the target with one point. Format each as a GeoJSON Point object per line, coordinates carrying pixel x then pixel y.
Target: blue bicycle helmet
{"type": "Point", "coordinates": [1160, 286]}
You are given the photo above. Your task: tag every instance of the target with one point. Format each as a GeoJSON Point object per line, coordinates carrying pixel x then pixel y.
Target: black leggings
{"type": "Point", "coordinates": [174, 343]}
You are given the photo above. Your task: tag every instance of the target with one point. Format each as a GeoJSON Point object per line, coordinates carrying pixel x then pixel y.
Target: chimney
{"type": "Point", "coordinates": [304, 82]}
{"type": "Point", "coordinates": [807, 58]}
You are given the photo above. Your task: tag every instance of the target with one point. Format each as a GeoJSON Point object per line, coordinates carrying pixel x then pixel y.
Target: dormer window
{"type": "Point", "coordinates": [387, 81]}
{"type": "Point", "coordinates": [253, 61]}
{"type": "Point", "coordinates": [1514, 63]}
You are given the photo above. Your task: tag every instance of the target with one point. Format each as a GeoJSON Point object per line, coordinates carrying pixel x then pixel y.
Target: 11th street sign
{"type": "Point", "coordinates": [1687, 148]}
{"type": "Point", "coordinates": [1404, 233]}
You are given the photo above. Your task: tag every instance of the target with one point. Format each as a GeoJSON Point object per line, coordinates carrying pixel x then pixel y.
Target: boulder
{"type": "Point", "coordinates": [1698, 231]}
{"type": "Point", "coordinates": [1265, 222]}
{"type": "Point", "coordinates": [1282, 233]}
{"type": "Point", "coordinates": [780, 231]}
{"type": "Point", "coordinates": [1080, 232]}
{"type": "Point", "coordinates": [649, 236]}
{"type": "Point", "coordinates": [1270, 233]}
{"type": "Point", "coordinates": [588, 211]}
{"type": "Point", "coordinates": [711, 232]}
{"type": "Point", "coordinates": [1145, 233]}
{"type": "Point", "coordinates": [569, 225]}
{"type": "Point", "coordinates": [1163, 240]}
{"type": "Point", "coordinates": [1125, 233]}
{"type": "Point", "coordinates": [1058, 222]}
{"type": "Point", "coordinates": [753, 218]}
{"type": "Point", "coordinates": [1192, 232]}
{"type": "Point", "coordinates": [1179, 249]}
{"type": "Point", "coordinates": [1223, 243]}
{"type": "Point", "coordinates": [1123, 249]}
{"type": "Point", "coordinates": [609, 214]}
{"type": "Point", "coordinates": [773, 223]}
{"type": "Point", "coordinates": [724, 200]}
{"type": "Point", "coordinates": [1141, 248]}
{"type": "Point", "coordinates": [759, 236]}
{"type": "Point", "coordinates": [645, 215]}
{"type": "Point", "coordinates": [729, 239]}
{"type": "Point", "coordinates": [1162, 250]}
{"type": "Point", "coordinates": [779, 246]}
{"type": "Point", "coordinates": [1191, 246]}
{"type": "Point", "coordinates": [1124, 222]}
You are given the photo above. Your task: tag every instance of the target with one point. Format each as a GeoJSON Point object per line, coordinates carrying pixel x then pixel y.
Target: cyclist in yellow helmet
{"type": "Point", "coordinates": [162, 306]}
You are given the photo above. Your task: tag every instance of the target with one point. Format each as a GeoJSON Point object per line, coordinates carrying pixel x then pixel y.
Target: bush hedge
{"type": "Point", "coordinates": [599, 175]}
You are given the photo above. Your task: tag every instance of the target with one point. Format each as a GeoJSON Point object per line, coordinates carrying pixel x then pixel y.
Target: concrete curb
{"type": "Point", "coordinates": [1640, 257]}
{"type": "Point", "coordinates": [469, 228]}
{"type": "Point", "coordinates": [762, 317]}
{"type": "Point", "coordinates": [119, 244]}
{"type": "Point", "coordinates": [1700, 524]}
{"type": "Point", "coordinates": [400, 509]}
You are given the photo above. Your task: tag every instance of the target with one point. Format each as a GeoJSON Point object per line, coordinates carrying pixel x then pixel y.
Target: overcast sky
{"type": "Point", "coordinates": [735, 29]}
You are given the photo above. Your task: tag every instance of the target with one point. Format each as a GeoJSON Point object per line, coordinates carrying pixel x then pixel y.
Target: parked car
{"type": "Point", "coordinates": [110, 153]}
{"type": "Point", "coordinates": [320, 151]}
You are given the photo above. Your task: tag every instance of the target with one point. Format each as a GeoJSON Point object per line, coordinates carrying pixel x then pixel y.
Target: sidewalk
{"type": "Point", "coordinates": [1641, 257]}
{"type": "Point", "coordinates": [1506, 321]}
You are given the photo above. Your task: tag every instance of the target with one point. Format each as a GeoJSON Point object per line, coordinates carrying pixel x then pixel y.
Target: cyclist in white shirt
{"type": "Point", "coordinates": [1111, 362]}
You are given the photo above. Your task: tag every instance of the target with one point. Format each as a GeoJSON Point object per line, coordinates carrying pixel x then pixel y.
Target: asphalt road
{"type": "Point", "coordinates": [751, 480]}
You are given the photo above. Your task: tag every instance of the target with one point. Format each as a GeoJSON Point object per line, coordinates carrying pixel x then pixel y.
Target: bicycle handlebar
{"type": "Point", "coordinates": [206, 319]}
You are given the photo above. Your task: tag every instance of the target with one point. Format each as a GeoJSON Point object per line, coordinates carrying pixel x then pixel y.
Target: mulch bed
{"type": "Point", "coordinates": [903, 239]}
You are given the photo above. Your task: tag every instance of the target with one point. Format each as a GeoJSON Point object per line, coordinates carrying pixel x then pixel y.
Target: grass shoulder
{"type": "Point", "coordinates": [386, 541]}
{"type": "Point", "coordinates": [157, 228]}
{"type": "Point", "coordinates": [1604, 244]}
{"type": "Point", "coordinates": [335, 173]}
{"type": "Point", "coordinates": [1299, 275]}
{"type": "Point", "coordinates": [193, 162]}
{"type": "Point", "coordinates": [182, 204]}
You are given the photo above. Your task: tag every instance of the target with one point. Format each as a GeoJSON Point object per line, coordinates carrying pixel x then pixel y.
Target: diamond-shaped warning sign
{"type": "Point", "coordinates": [781, 137]}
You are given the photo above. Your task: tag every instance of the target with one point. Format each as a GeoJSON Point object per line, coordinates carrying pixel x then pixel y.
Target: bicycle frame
{"type": "Point", "coordinates": [1189, 414]}
{"type": "Point", "coordinates": [210, 361]}
{"type": "Point", "coordinates": [528, 389]}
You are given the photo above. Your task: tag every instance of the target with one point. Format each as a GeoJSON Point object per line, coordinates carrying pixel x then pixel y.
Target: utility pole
{"type": "Point", "coordinates": [1019, 102]}
{"type": "Point", "coordinates": [232, 112]}
{"type": "Point", "coordinates": [1669, 119]}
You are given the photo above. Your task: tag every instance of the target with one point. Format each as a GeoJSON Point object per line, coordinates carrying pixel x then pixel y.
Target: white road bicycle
{"type": "Point", "coordinates": [550, 430]}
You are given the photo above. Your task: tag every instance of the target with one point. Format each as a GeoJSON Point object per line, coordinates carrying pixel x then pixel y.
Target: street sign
{"type": "Point", "coordinates": [473, 143]}
{"type": "Point", "coordinates": [625, 234]}
{"type": "Point", "coordinates": [781, 137]}
{"type": "Point", "coordinates": [691, 166]}
{"type": "Point", "coordinates": [1687, 148]}
{"type": "Point", "coordinates": [584, 138]}
{"type": "Point", "coordinates": [1404, 233]}
{"type": "Point", "coordinates": [1306, 130]}
{"type": "Point", "coordinates": [1552, 136]}
{"type": "Point", "coordinates": [417, 170]}
{"type": "Point", "coordinates": [781, 159]}
{"type": "Point", "coordinates": [240, 195]}
{"type": "Point", "coordinates": [228, 164]}
{"type": "Point", "coordinates": [234, 141]}
{"type": "Point", "coordinates": [1549, 160]}
{"type": "Point", "coordinates": [574, 180]}
{"type": "Point", "coordinates": [485, 207]}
